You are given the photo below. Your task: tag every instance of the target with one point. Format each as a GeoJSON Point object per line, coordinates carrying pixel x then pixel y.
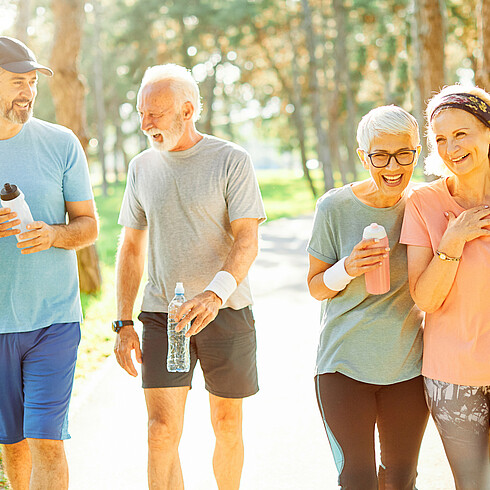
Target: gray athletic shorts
{"type": "Point", "coordinates": [226, 350]}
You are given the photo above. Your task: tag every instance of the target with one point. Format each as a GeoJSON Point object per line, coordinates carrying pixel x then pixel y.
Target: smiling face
{"type": "Point", "coordinates": [162, 120]}
{"type": "Point", "coordinates": [392, 180]}
{"type": "Point", "coordinates": [462, 141]}
{"type": "Point", "coordinates": [17, 94]}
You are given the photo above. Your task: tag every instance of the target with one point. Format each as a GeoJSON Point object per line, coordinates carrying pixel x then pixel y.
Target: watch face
{"type": "Point", "coordinates": [118, 324]}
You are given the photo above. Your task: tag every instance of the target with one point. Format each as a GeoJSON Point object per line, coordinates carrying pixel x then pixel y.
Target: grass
{"type": "Point", "coordinates": [3, 479]}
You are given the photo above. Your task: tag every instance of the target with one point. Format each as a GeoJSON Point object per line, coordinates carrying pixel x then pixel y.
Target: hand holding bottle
{"type": "Point", "coordinates": [8, 219]}
{"type": "Point", "coordinates": [39, 236]}
{"type": "Point", "coordinates": [366, 256]}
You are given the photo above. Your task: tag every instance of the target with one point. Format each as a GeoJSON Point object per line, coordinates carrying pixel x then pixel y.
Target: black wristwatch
{"type": "Point", "coordinates": [118, 324]}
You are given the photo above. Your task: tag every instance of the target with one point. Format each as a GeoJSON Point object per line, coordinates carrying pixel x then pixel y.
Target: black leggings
{"type": "Point", "coordinates": [350, 410]}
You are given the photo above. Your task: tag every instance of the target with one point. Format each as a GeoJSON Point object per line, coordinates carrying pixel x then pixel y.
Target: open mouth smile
{"type": "Point", "coordinates": [392, 180]}
{"type": "Point", "coordinates": [459, 159]}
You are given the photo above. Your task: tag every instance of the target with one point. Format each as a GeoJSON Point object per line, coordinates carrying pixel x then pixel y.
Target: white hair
{"type": "Point", "coordinates": [181, 81]}
{"type": "Point", "coordinates": [386, 120]}
{"type": "Point", "coordinates": [433, 164]}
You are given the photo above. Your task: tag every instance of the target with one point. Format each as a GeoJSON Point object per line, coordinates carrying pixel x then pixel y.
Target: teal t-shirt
{"type": "Point", "coordinates": [371, 338]}
{"type": "Point", "coordinates": [47, 163]}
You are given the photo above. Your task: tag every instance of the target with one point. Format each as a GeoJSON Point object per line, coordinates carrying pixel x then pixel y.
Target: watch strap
{"type": "Point", "coordinates": [445, 257]}
{"type": "Point", "coordinates": [118, 324]}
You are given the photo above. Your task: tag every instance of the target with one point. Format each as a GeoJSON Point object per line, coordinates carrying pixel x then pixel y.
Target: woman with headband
{"type": "Point", "coordinates": [447, 230]}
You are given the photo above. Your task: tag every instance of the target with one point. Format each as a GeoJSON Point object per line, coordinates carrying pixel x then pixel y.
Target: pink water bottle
{"type": "Point", "coordinates": [378, 279]}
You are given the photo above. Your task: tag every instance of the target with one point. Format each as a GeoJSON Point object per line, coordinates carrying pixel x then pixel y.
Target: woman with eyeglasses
{"type": "Point", "coordinates": [370, 350]}
{"type": "Point", "coordinates": [447, 230]}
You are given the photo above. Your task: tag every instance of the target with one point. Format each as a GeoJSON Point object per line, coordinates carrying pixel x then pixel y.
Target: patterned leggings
{"type": "Point", "coordinates": [461, 414]}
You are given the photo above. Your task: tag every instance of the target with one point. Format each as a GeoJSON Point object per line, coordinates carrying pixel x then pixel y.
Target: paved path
{"type": "Point", "coordinates": [285, 443]}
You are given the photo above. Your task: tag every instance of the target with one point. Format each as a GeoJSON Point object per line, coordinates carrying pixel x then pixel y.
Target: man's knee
{"type": "Point", "coordinates": [49, 451]}
{"type": "Point", "coordinates": [227, 422]}
{"type": "Point", "coordinates": [163, 433]}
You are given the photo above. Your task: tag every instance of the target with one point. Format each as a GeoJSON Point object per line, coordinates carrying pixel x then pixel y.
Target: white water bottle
{"type": "Point", "coordinates": [12, 197]}
{"type": "Point", "coordinates": [178, 354]}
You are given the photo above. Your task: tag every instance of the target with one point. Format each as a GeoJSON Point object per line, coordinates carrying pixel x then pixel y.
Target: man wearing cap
{"type": "Point", "coordinates": [39, 299]}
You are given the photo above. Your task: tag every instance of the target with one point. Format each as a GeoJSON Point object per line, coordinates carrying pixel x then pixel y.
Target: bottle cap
{"type": "Point", "coordinates": [179, 288]}
{"type": "Point", "coordinates": [374, 231]}
{"type": "Point", "coordinates": [9, 192]}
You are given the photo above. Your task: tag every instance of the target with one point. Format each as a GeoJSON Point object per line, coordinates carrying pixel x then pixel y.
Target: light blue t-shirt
{"type": "Point", "coordinates": [371, 338]}
{"type": "Point", "coordinates": [47, 163]}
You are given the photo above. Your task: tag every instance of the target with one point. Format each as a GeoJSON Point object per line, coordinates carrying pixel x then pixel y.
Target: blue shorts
{"type": "Point", "coordinates": [36, 379]}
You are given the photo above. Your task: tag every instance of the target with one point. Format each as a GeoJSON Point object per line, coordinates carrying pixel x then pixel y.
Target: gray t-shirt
{"type": "Point", "coordinates": [187, 200]}
{"type": "Point", "coordinates": [370, 338]}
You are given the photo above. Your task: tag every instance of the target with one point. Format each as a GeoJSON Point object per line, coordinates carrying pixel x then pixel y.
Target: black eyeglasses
{"type": "Point", "coordinates": [402, 157]}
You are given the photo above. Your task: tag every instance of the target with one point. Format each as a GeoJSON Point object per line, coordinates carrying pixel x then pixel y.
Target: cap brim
{"type": "Point", "coordinates": [27, 66]}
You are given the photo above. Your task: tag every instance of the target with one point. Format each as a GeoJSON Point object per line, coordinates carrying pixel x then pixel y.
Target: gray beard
{"type": "Point", "coordinates": [13, 117]}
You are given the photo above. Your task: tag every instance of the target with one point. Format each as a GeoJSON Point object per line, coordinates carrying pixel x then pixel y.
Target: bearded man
{"type": "Point", "coordinates": [40, 309]}
{"type": "Point", "coordinates": [194, 202]}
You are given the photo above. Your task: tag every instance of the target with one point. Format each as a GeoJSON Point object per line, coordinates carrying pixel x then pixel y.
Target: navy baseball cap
{"type": "Point", "coordinates": [16, 57]}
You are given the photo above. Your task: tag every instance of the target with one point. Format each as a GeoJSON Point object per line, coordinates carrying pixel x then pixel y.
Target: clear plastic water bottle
{"type": "Point", "coordinates": [178, 355]}
{"type": "Point", "coordinates": [378, 279]}
{"type": "Point", "coordinates": [12, 197]}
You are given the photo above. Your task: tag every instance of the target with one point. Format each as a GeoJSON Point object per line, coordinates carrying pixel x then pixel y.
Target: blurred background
{"type": "Point", "coordinates": [287, 79]}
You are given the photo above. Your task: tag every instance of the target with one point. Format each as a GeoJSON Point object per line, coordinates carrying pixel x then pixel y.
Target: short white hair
{"type": "Point", "coordinates": [181, 81]}
{"type": "Point", "coordinates": [433, 163]}
{"type": "Point", "coordinates": [386, 120]}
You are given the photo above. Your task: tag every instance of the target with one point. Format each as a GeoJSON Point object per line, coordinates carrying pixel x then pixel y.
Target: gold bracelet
{"type": "Point", "coordinates": [443, 256]}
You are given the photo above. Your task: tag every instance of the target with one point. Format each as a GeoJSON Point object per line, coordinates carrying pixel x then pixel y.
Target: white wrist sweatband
{"type": "Point", "coordinates": [336, 277]}
{"type": "Point", "coordinates": [223, 285]}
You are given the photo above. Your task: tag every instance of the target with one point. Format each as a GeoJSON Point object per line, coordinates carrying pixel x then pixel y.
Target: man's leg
{"type": "Point", "coordinates": [165, 422]}
{"type": "Point", "coordinates": [17, 461]}
{"type": "Point", "coordinates": [48, 372]}
{"type": "Point", "coordinates": [49, 465]}
{"type": "Point", "coordinates": [226, 417]}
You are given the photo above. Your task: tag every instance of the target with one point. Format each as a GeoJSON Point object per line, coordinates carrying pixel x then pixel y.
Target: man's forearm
{"type": "Point", "coordinates": [129, 271]}
{"type": "Point", "coordinates": [241, 256]}
{"type": "Point", "coordinates": [78, 233]}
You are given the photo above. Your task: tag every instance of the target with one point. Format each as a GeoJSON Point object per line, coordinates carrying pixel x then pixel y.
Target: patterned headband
{"type": "Point", "coordinates": [467, 102]}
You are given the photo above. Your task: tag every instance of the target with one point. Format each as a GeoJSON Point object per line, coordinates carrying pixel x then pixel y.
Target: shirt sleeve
{"type": "Point", "coordinates": [414, 227]}
{"type": "Point", "coordinates": [132, 213]}
{"type": "Point", "coordinates": [76, 179]}
{"type": "Point", "coordinates": [242, 193]}
{"type": "Point", "coordinates": [321, 244]}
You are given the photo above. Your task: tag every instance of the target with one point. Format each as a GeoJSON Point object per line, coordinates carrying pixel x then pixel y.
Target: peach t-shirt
{"type": "Point", "coordinates": [457, 335]}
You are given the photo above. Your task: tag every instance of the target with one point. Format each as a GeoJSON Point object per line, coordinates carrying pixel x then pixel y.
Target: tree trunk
{"type": "Point", "coordinates": [22, 21]}
{"type": "Point", "coordinates": [483, 24]}
{"type": "Point", "coordinates": [68, 94]}
{"type": "Point", "coordinates": [323, 150]}
{"type": "Point", "coordinates": [428, 31]}
{"type": "Point", "coordinates": [298, 120]}
{"type": "Point", "coordinates": [208, 87]}
{"type": "Point", "coordinates": [294, 95]}
{"type": "Point", "coordinates": [99, 95]}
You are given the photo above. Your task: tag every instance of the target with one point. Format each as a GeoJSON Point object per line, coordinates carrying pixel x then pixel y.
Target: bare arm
{"type": "Point", "coordinates": [361, 260]}
{"type": "Point", "coordinates": [81, 230]}
{"type": "Point", "coordinates": [204, 307]}
{"type": "Point", "coordinates": [430, 277]}
{"type": "Point", "coordinates": [129, 271]}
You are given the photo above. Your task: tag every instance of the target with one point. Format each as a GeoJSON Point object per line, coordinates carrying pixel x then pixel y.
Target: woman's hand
{"type": "Point", "coordinates": [364, 257]}
{"type": "Point", "coordinates": [470, 224]}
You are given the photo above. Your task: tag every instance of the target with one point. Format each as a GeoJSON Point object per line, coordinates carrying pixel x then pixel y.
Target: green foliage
{"type": "Point", "coordinates": [3, 479]}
